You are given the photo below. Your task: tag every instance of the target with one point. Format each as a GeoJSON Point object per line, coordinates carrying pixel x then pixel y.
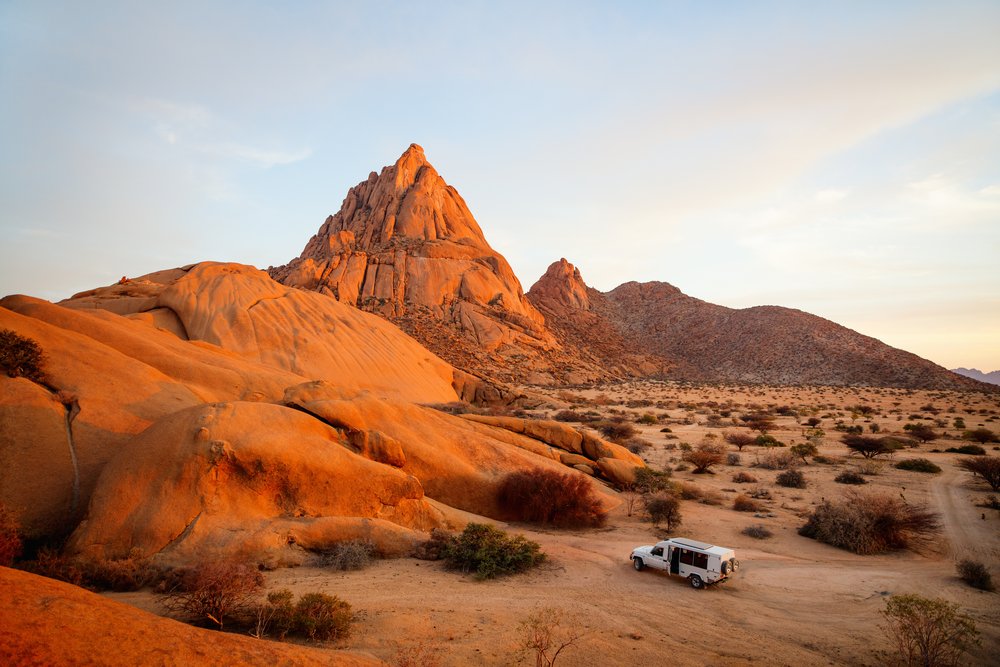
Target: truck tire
{"type": "Point", "coordinates": [696, 582]}
{"type": "Point", "coordinates": [638, 564]}
{"type": "Point", "coordinates": [725, 567]}
{"type": "Point", "coordinates": [735, 563]}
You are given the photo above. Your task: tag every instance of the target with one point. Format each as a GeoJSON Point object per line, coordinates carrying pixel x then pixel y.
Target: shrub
{"type": "Point", "coordinates": [648, 480]}
{"type": "Point", "coordinates": [704, 456]}
{"type": "Point", "coordinates": [549, 497]}
{"type": "Point", "coordinates": [50, 563]}
{"type": "Point", "coordinates": [733, 459]}
{"type": "Point", "coordinates": [545, 636]}
{"type": "Point", "coordinates": [849, 477]}
{"type": "Point", "coordinates": [767, 441]}
{"type": "Point", "coordinates": [774, 461]}
{"type": "Point", "coordinates": [10, 537]}
{"type": "Point", "coordinates": [322, 617]}
{"type": "Point", "coordinates": [803, 450]}
{"type": "Point", "coordinates": [981, 435]}
{"type": "Point", "coordinates": [490, 552]}
{"type": "Point", "coordinates": [918, 465]}
{"type": "Point", "coordinates": [275, 616]}
{"type": "Point", "coordinates": [744, 503]}
{"type": "Point", "coordinates": [744, 478]}
{"type": "Point", "coordinates": [928, 631]}
{"type": "Point", "coordinates": [869, 524]}
{"type": "Point", "coordinates": [647, 418]}
{"type": "Point", "coordinates": [433, 549]}
{"type": "Point", "coordinates": [987, 467]}
{"type": "Point", "coordinates": [664, 508]}
{"type": "Point", "coordinates": [792, 479]}
{"type": "Point", "coordinates": [757, 532]}
{"type": "Point", "coordinates": [214, 590]}
{"type": "Point", "coordinates": [568, 416]}
{"type": "Point", "coordinates": [617, 431]}
{"type": "Point", "coordinates": [870, 468]}
{"type": "Point", "coordinates": [349, 555]}
{"type": "Point", "coordinates": [738, 439]}
{"type": "Point", "coordinates": [20, 356]}
{"type": "Point", "coordinates": [968, 450]}
{"type": "Point", "coordinates": [868, 446]}
{"type": "Point", "coordinates": [921, 432]}
{"type": "Point", "coordinates": [120, 574]}
{"type": "Point", "coordinates": [975, 574]}
{"type": "Point", "coordinates": [637, 445]}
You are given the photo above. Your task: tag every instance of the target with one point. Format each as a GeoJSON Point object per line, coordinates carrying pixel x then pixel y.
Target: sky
{"type": "Point", "coordinates": [839, 158]}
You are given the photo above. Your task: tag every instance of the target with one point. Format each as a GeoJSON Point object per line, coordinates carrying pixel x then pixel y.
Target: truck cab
{"type": "Point", "coordinates": [700, 563]}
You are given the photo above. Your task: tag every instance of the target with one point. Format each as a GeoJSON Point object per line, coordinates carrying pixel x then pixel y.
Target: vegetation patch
{"type": "Point", "coordinates": [850, 477]}
{"type": "Point", "coordinates": [919, 465]}
{"type": "Point", "coordinates": [928, 631]}
{"type": "Point", "coordinates": [489, 552]}
{"type": "Point", "coordinates": [975, 574]}
{"type": "Point", "coordinates": [792, 479]}
{"type": "Point", "coordinates": [20, 356]}
{"type": "Point", "coordinates": [552, 498]}
{"type": "Point", "coordinates": [758, 532]}
{"type": "Point", "coordinates": [869, 524]}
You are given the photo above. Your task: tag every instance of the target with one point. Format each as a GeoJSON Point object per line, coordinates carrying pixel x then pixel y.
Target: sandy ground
{"type": "Point", "coordinates": [793, 602]}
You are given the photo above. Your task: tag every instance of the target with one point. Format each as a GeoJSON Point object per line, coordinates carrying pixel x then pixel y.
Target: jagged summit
{"type": "Point", "coordinates": [561, 287]}
{"type": "Point", "coordinates": [405, 245]}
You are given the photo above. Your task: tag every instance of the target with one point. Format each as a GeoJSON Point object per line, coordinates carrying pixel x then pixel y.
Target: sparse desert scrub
{"type": "Point", "coordinates": [743, 503]}
{"type": "Point", "coordinates": [545, 634]}
{"type": "Point", "coordinates": [322, 617]}
{"type": "Point", "coordinates": [617, 431]}
{"type": "Point", "coordinates": [792, 479]}
{"type": "Point", "coordinates": [927, 632]}
{"type": "Point", "coordinates": [870, 468]}
{"type": "Point", "coordinates": [869, 524]}
{"type": "Point", "coordinates": [758, 532]}
{"type": "Point", "coordinates": [120, 574]}
{"type": "Point", "coordinates": [489, 552]}
{"type": "Point", "coordinates": [774, 460]}
{"type": "Point", "coordinates": [349, 555]}
{"type": "Point", "coordinates": [919, 465]}
{"type": "Point", "coordinates": [975, 574]}
{"type": "Point", "coordinates": [21, 356]}
{"type": "Point", "coordinates": [850, 477]}
{"type": "Point", "coordinates": [703, 456]}
{"type": "Point", "coordinates": [548, 497]}
{"type": "Point", "coordinates": [214, 591]}
{"type": "Point", "coordinates": [420, 654]}
{"type": "Point", "coordinates": [10, 537]}
{"type": "Point", "coordinates": [744, 478]}
{"type": "Point", "coordinates": [985, 467]}
{"type": "Point", "coordinates": [569, 416]}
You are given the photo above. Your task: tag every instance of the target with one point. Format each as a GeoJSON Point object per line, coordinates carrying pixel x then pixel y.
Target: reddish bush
{"type": "Point", "coordinates": [739, 439]}
{"type": "Point", "coordinates": [704, 456]}
{"type": "Point", "coordinates": [212, 591]}
{"type": "Point", "coordinates": [548, 497]}
{"type": "Point", "coordinates": [869, 524]}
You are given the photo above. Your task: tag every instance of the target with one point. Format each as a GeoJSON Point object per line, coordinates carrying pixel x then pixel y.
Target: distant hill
{"type": "Point", "coordinates": [993, 377]}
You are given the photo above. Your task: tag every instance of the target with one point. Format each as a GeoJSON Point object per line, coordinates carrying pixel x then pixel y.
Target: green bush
{"type": "Point", "coordinates": [969, 450]}
{"type": "Point", "coordinates": [664, 508]}
{"type": "Point", "coordinates": [975, 574]}
{"type": "Point", "coordinates": [928, 631]}
{"type": "Point", "coordinates": [918, 465]}
{"type": "Point", "coordinates": [981, 435]}
{"type": "Point", "coordinates": [20, 356]}
{"type": "Point", "coordinates": [322, 617]}
{"type": "Point", "coordinates": [490, 552]}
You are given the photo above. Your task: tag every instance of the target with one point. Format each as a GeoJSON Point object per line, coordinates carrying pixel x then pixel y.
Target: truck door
{"type": "Point", "coordinates": [675, 560]}
{"type": "Point", "coordinates": [657, 560]}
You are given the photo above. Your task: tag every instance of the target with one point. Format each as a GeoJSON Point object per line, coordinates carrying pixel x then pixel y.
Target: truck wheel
{"type": "Point", "coordinates": [637, 564]}
{"type": "Point", "coordinates": [696, 582]}
{"type": "Point", "coordinates": [725, 568]}
{"type": "Point", "coordinates": [735, 563]}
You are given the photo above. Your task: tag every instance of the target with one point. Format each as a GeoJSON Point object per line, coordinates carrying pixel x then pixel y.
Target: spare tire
{"type": "Point", "coordinates": [725, 567]}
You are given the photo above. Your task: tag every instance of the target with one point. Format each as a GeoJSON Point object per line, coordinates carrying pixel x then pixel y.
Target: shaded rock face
{"type": "Point", "coordinates": [655, 330]}
{"type": "Point", "coordinates": [404, 245]}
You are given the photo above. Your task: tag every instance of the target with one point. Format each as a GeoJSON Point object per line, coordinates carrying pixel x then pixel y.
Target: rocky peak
{"type": "Point", "coordinates": [405, 245]}
{"type": "Point", "coordinates": [561, 287]}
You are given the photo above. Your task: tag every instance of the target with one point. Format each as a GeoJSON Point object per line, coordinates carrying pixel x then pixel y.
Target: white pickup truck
{"type": "Point", "coordinates": [701, 563]}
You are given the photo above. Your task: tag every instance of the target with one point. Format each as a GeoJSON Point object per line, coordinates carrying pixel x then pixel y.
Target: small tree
{"type": "Point", "coordinates": [980, 435]}
{"type": "Point", "coordinates": [545, 635]}
{"type": "Point", "coordinates": [868, 446]}
{"type": "Point", "coordinates": [704, 455]}
{"type": "Point", "coordinates": [803, 450]}
{"type": "Point", "coordinates": [987, 467]}
{"type": "Point", "coordinates": [921, 432]}
{"type": "Point", "coordinates": [738, 439]}
{"type": "Point", "coordinates": [928, 631]}
{"type": "Point", "coordinates": [664, 508]}
{"type": "Point", "coordinates": [760, 422]}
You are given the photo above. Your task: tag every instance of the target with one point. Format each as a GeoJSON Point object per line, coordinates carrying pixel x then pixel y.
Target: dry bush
{"type": "Point", "coordinates": [986, 467]}
{"type": "Point", "coordinates": [744, 478]}
{"type": "Point", "coordinates": [274, 617]}
{"type": "Point", "coordinates": [617, 431]}
{"type": "Point", "coordinates": [349, 555]}
{"type": "Point", "coordinates": [664, 508]}
{"type": "Point", "coordinates": [703, 456]}
{"type": "Point", "coordinates": [743, 503]}
{"type": "Point", "coordinates": [981, 435]}
{"type": "Point", "coordinates": [738, 439]}
{"type": "Point", "coordinates": [849, 477]}
{"type": "Point", "coordinates": [569, 416]}
{"type": "Point", "coordinates": [10, 537]}
{"type": "Point", "coordinates": [215, 590]}
{"type": "Point", "coordinates": [757, 532]}
{"type": "Point", "coordinates": [637, 445]}
{"type": "Point", "coordinates": [54, 565]}
{"type": "Point", "coordinates": [869, 524]}
{"type": "Point", "coordinates": [870, 468]}
{"type": "Point", "coordinates": [433, 549]}
{"type": "Point", "coordinates": [733, 459]}
{"type": "Point", "coordinates": [548, 497]}
{"type": "Point", "coordinates": [21, 356]}
{"type": "Point", "coordinates": [120, 574]}
{"type": "Point", "coordinates": [928, 632]}
{"type": "Point", "coordinates": [421, 654]}
{"type": "Point", "coordinates": [975, 574]}
{"type": "Point", "coordinates": [868, 446]}
{"type": "Point", "coordinates": [792, 479]}
{"type": "Point", "coordinates": [774, 460]}
{"type": "Point", "coordinates": [919, 465]}
{"type": "Point", "coordinates": [546, 633]}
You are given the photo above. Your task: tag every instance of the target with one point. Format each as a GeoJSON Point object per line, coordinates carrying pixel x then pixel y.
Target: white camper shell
{"type": "Point", "coordinates": [700, 563]}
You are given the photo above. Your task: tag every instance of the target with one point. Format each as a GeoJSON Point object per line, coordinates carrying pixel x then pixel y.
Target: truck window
{"type": "Point", "coordinates": [687, 557]}
{"type": "Point", "coordinates": [657, 551]}
{"type": "Point", "coordinates": [701, 560]}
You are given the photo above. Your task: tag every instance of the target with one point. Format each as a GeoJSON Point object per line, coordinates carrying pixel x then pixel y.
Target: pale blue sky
{"type": "Point", "coordinates": [842, 158]}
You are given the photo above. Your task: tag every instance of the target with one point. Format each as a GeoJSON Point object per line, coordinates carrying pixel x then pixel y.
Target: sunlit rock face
{"type": "Point", "coordinates": [404, 245]}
